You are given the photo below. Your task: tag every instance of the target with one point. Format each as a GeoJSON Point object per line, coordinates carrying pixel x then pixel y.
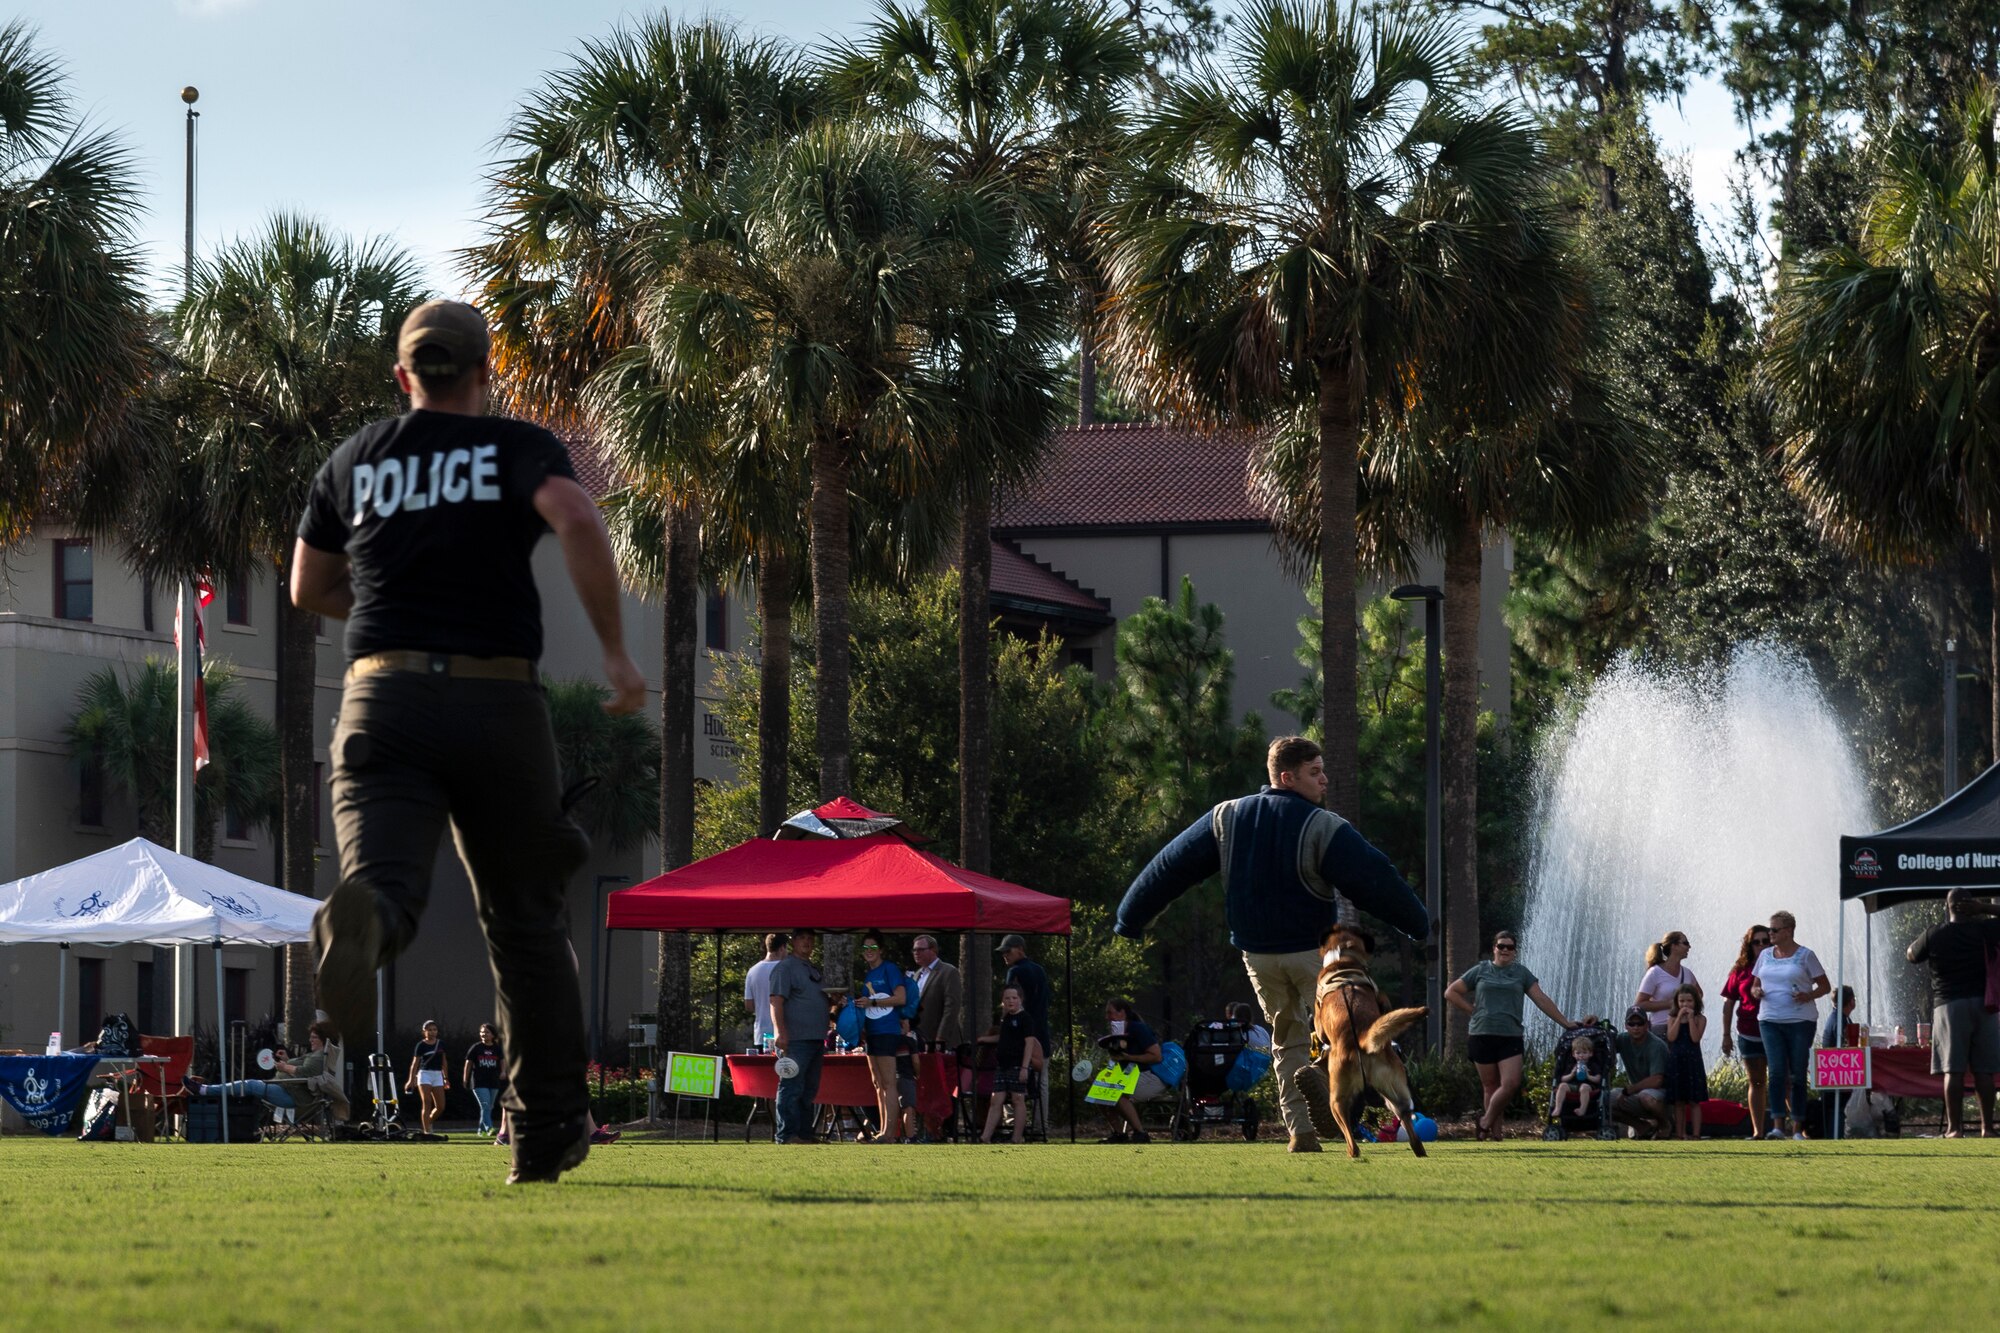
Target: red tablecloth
{"type": "Point", "coordinates": [1905, 1071]}
{"type": "Point", "coordinates": [844, 1081]}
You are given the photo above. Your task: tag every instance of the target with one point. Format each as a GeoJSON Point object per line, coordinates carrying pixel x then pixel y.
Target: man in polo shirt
{"type": "Point", "coordinates": [418, 532]}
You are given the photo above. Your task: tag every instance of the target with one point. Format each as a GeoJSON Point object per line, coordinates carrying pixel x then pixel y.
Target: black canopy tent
{"type": "Point", "coordinates": [1953, 845]}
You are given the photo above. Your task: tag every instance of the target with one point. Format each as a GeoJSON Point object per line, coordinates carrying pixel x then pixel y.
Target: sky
{"type": "Point", "coordinates": [380, 118]}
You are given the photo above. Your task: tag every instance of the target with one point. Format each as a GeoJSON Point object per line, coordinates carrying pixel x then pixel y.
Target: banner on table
{"type": "Point", "coordinates": [1113, 1082]}
{"type": "Point", "coordinates": [45, 1089]}
{"type": "Point", "coordinates": [693, 1075]}
{"type": "Point", "coordinates": [1842, 1067]}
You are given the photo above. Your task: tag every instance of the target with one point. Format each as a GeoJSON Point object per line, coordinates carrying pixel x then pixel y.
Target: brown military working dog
{"type": "Point", "coordinates": [1354, 1024]}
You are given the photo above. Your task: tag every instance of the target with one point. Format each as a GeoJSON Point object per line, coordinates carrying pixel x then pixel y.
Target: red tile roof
{"type": "Point", "coordinates": [593, 470]}
{"type": "Point", "coordinates": [1021, 579]}
{"type": "Point", "coordinates": [1138, 476]}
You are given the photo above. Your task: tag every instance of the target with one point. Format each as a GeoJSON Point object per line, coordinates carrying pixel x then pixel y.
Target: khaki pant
{"type": "Point", "coordinates": [1284, 984]}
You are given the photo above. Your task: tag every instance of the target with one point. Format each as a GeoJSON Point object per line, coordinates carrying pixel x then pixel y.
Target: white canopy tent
{"type": "Point", "coordinates": [141, 893]}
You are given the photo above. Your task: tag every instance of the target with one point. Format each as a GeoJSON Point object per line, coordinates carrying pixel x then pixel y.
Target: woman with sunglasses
{"type": "Point", "coordinates": [1666, 972]}
{"type": "Point", "coordinates": [1739, 1023]}
{"type": "Point", "coordinates": [1493, 993]}
{"type": "Point", "coordinates": [1787, 980]}
{"type": "Point", "coordinates": [882, 995]}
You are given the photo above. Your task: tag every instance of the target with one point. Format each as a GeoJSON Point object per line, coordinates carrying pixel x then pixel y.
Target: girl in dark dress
{"type": "Point", "coordinates": [1687, 1078]}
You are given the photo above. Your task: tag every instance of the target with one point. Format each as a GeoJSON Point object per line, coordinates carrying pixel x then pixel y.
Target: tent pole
{"type": "Point", "coordinates": [715, 1105]}
{"type": "Point", "coordinates": [1839, 1020]}
{"type": "Point", "coordinates": [1069, 1019]}
{"type": "Point", "coordinates": [221, 1043]}
{"type": "Point", "coordinates": [1868, 965]}
{"type": "Point", "coordinates": [62, 997]}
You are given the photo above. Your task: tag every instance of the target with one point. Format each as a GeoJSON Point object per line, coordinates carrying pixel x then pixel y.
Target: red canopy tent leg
{"type": "Point", "coordinates": [715, 1121]}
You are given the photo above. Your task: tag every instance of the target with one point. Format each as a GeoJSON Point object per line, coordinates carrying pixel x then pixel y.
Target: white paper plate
{"type": "Point", "coordinates": [266, 1060]}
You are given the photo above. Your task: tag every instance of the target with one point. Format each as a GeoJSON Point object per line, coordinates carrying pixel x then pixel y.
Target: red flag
{"type": "Point", "coordinates": [204, 590]}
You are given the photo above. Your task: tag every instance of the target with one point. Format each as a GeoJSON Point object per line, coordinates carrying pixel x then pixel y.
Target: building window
{"type": "Point", "coordinates": [142, 1009]}
{"type": "Point", "coordinates": [716, 622]}
{"type": "Point", "coordinates": [319, 627]}
{"type": "Point", "coordinates": [236, 601]}
{"type": "Point", "coordinates": [235, 996]}
{"type": "Point", "coordinates": [73, 581]}
{"type": "Point", "coordinates": [90, 794]}
{"type": "Point", "coordinates": [89, 998]}
{"type": "Point", "coordinates": [234, 826]}
{"type": "Point", "coordinates": [146, 603]}
{"type": "Point", "coordinates": [1083, 657]}
{"type": "Point", "coordinates": [319, 797]}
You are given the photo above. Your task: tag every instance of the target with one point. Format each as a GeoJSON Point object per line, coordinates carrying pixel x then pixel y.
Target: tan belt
{"type": "Point", "coordinates": [456, 665]}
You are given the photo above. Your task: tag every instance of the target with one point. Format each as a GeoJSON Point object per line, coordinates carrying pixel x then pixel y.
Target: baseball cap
{"type": "Point", "coordinates": [442, 338]}
{"type": "Point", "coordinates": [1011, 942]}
{"type": "Point", "coordinates": [1636, 1015]}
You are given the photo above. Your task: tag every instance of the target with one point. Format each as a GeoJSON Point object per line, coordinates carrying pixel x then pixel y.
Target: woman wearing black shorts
{"type": "Point", "coordinates": [1492, 992]}
{"type": "Point", "coordinates": [882, 1027]}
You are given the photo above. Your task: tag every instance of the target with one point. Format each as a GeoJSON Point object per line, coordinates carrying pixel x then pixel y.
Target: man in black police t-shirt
{"type": "Point", "coordinates": [418, 531]}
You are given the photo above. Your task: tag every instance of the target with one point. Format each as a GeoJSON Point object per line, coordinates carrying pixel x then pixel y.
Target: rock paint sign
{"type": "Point", "coordinates": [1841, 1067]}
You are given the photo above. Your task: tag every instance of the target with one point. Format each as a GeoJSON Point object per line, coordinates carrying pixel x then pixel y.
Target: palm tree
{"type": "Point", "coordinates": [1885, 356]}
{"type": "Point", "coordinates": [124, 727]}
{"type": "Point", "coordinates": [73, 326]}
{"type": "Point", "coordinates": [1305, 217]}
{"type": "Point", "coordinates": [1013, 97]}
{"type": "Point", "coordinates": [1514, 423]}
{"type": "Point", "coordinates": [604, 160]}
{"type": "Point", "coordinates": [622, 810]}
{"type": "Point", "coordinates": [284, 344]}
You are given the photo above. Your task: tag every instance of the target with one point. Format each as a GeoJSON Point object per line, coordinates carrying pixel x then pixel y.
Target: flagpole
{"type": "Point", "coordinates": [185, 622]}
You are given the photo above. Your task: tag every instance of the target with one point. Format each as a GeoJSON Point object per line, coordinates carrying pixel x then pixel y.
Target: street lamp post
{"type": "Point", "coordinates": [1950, 718]}
{"type": "Point", "coordinates": [1433, 600]}
{"type": "Point", "coordinates": [186, 623]}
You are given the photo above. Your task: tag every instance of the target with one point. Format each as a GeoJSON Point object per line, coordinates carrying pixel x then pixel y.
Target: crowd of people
{"type": "Point", "coordinates": [794, 1011]}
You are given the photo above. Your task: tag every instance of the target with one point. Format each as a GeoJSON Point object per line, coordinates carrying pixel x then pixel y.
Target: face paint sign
{"type": "Point", "coordinates": [447, 477]}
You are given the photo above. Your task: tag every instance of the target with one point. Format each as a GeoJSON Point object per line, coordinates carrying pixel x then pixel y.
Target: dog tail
{"type": "Point", "coordinates": [1386, 1028]}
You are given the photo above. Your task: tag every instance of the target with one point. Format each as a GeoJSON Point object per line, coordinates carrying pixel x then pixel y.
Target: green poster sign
{"type": "Point", "coordinates": [693, 1075]}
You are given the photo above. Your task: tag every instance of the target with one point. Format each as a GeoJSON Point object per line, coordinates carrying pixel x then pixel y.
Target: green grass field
{"type": "Point", "coordinates": [1897, 1234]}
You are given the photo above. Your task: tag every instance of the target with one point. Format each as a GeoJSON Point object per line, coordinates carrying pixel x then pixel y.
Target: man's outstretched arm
{"type": "Point", "coordinates": [1181, 864]}
{"type": "Point", "coordinates": [1369, 879]}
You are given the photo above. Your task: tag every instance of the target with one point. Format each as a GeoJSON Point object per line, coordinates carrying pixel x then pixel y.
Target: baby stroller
{"type": "Point", "coordinates": [1600, 1063]}
{"type": "Point", "coordinates": [1222, 1067]}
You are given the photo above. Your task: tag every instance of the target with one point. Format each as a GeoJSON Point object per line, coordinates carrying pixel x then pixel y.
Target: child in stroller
{"type": "Point", "coordinates": [1583, 1063]}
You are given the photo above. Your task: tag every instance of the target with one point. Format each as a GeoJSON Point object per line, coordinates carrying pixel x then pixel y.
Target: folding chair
{"type": "Point", "coordinates": [164, 1085]}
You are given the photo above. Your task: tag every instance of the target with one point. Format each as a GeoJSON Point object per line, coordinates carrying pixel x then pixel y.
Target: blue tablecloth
{"type": "Point", "coordinates": [45, 1089]}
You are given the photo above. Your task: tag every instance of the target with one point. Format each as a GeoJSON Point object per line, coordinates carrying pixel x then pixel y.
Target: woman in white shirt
{"type": "Point", "coordinates": [1787, 981]}
{"type": "Point", "coordinates": [1666, 972]}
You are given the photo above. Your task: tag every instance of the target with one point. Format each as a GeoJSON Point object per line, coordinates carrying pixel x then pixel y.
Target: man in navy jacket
{"type": "Point", "coordinates": [1290, 869]}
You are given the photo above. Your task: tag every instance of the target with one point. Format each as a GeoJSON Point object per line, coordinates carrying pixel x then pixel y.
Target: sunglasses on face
{"type": "Point", "coordinates": [1507, 948]}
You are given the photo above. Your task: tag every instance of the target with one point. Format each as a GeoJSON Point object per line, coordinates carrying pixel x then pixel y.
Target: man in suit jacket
{"type": "Point", "coordinates": [941, 1002]}
{"type": "Point", "coordinates": [940, 1011]}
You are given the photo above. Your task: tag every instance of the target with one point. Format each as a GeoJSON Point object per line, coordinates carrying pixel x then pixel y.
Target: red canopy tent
{"type": "Point", "coordinates": [838, 867]}
{"type": "Point", "coordinates": [875, 882]}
